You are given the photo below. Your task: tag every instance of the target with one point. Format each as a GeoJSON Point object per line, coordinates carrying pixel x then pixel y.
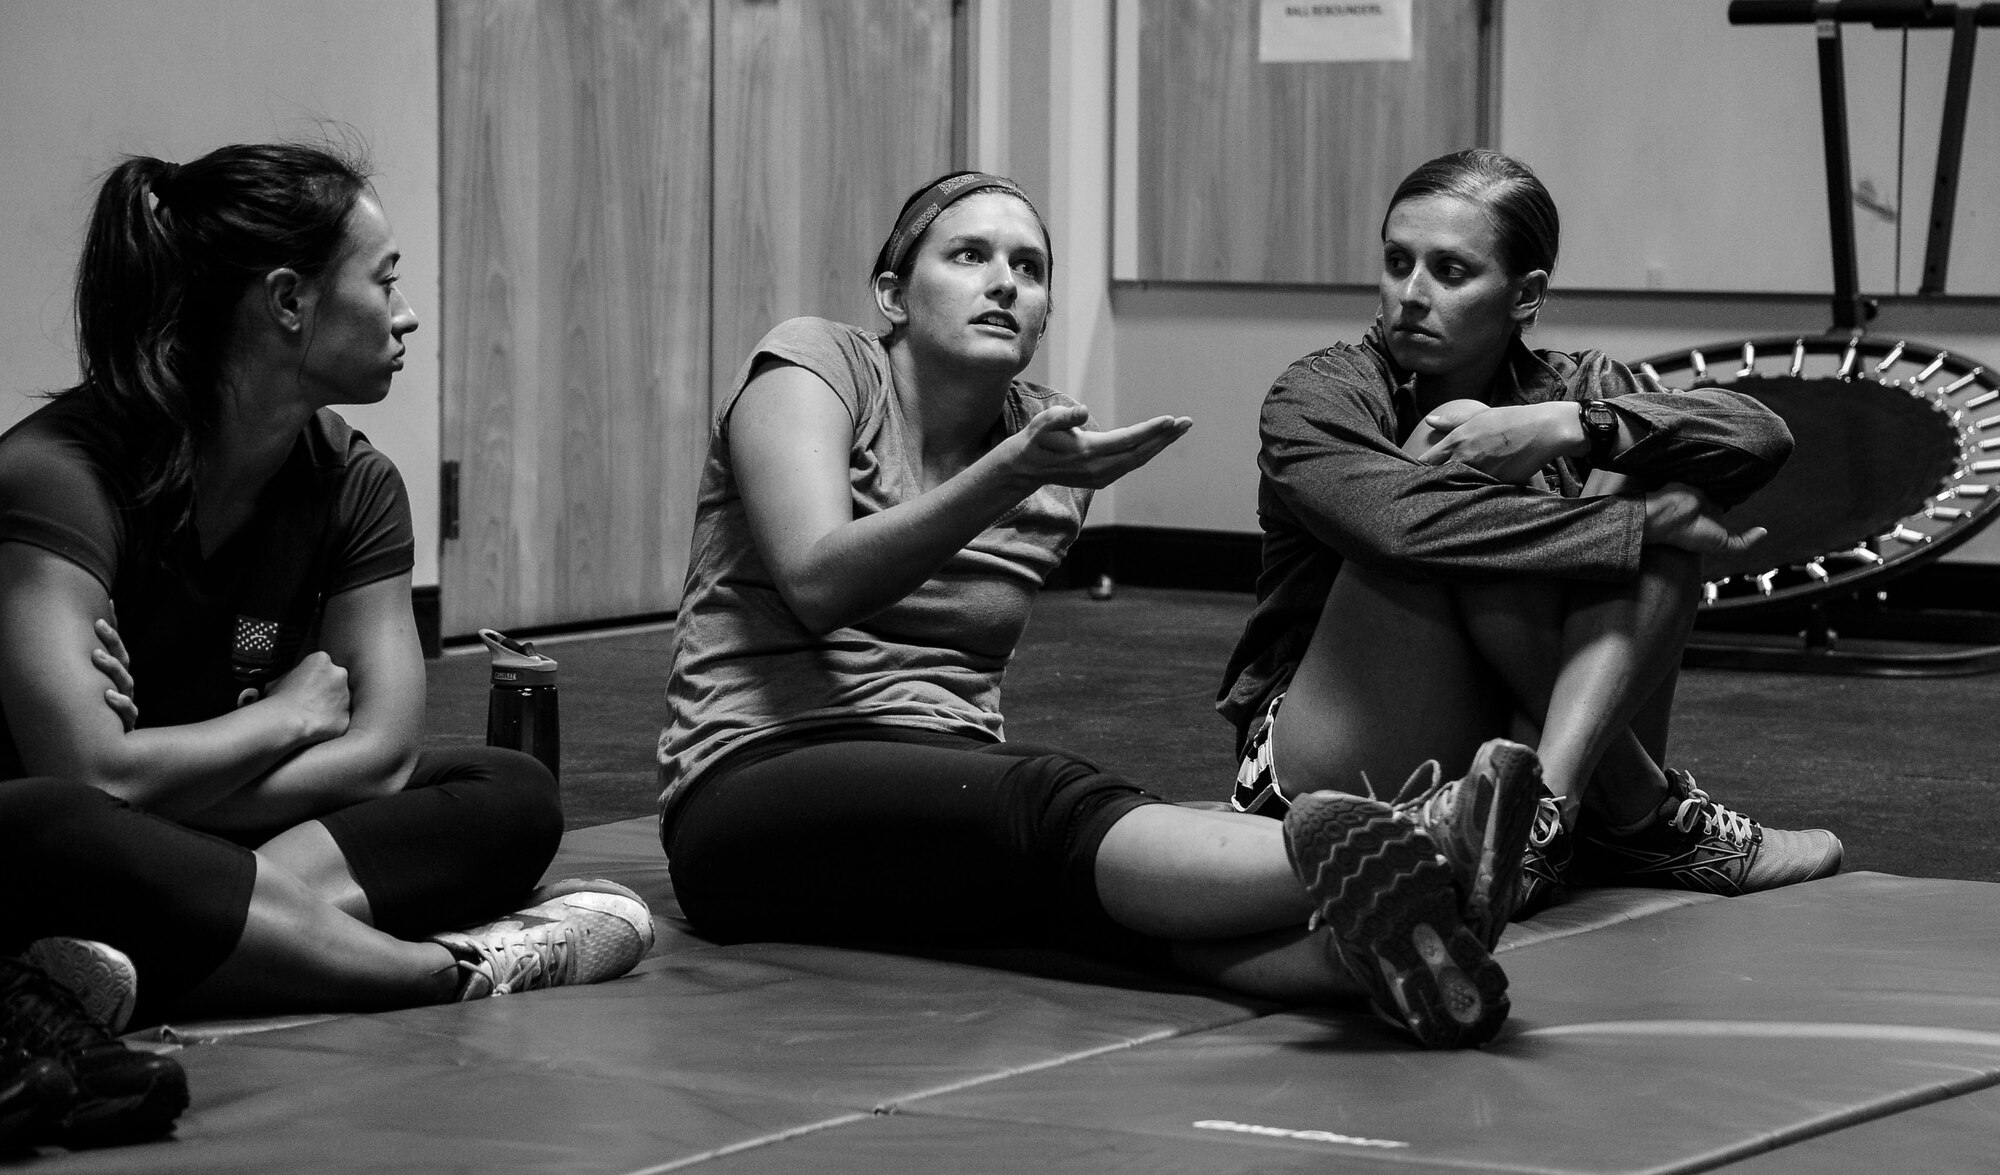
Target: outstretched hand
{"type": "Point", "coordinates": [1510, 443]}
{"type": "Point", "coordinates": [1680, 516]}
{"type": "Point", "coordinates": [1056, 450]}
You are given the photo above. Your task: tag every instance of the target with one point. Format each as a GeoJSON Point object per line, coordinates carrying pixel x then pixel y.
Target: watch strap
{"type": "Point", "coordinates": [1600, 425]}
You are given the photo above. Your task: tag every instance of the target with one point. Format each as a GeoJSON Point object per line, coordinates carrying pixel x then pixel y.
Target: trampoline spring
{"type": "Point", "coordinates": [1749, 360]}
{"type": "Point", "coordinates": [1972, 489]}
{"type": "Point", "coordinates": [1904, 534]}
{"type": "Point", "coordinates": [1699, 364]}
{"type": "Point", "coordinates": [1862, 553]}
{"type": "Point", "coordinates": [1650, 373]}
{"type": "Point", "coordinates": [1816, 571]}
{"type": "Point", "coordinates": [1763, 581]}
{"type": "Point", "coordinates": [1948, 513]}
{"type": "Point", "coordinates": [1847, 360]}
{"type": "Point", "coordinates": [1989, 422]}
{"type": "Point", "coordinates": [1710, 592]}
{"type": "Point", "coordinates": [1889, 360]}
{"type": "Point", "coordinates": [1989, 444]}
{"type": "Point", "coordinates": [1798, 357]}
{"type": "Point", "coordinates": [1931, 368]}
{"type": "Point", "coordinates": [1979, 401]}
{"type": "Point", "coordinates": [1963, 380]}
{"type": "Point", "coordinates": [1984, 467]}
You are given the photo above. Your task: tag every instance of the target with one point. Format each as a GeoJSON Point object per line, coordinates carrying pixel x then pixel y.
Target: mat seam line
{"type": "Point", "coordinates": [892, 1106]}
{"type": "Point", "coordinates": [1832, 1124]}
{"type": "Point", "coordinates": [751, 1143]}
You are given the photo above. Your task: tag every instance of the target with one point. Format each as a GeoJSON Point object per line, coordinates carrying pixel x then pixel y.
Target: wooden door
{"type": "Point", "coordinates": [826, 116]}
{"type": "Point", "coordinates": [576, 220]}
{"type": "Point", "coordinates": [1279, 173]}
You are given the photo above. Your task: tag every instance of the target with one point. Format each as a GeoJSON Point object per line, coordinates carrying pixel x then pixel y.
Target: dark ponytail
{"type": "Point", "coordinates": [169, 251]}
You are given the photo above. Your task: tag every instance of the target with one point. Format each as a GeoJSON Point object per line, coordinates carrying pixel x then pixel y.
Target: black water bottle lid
{"type": "Point", "coordinates": [516, 663]}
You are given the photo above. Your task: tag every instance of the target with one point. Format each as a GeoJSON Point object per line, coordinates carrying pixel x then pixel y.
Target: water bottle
{"type": "Point", "coordinates": [521, 706]}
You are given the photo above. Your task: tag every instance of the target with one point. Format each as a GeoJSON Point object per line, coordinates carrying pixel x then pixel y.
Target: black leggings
{"type": "Point", "coordinates": [466, 839]}
{"type": "Point", "coordinates": [897, 836]}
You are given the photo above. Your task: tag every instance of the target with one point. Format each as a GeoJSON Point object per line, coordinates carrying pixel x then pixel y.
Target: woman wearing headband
{"type": "Point", "coordinates": [875, 516]}
{"type": "Point", "coordinates": [1463, 538]}
{"type": "Point", "coordinates": [221, 778]}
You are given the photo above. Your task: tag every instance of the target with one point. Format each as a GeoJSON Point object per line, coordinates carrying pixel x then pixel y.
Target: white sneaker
{"type": "Point", "coordinates": [572, 932]}
{"type": "Point", "coordinates": [100, 976]}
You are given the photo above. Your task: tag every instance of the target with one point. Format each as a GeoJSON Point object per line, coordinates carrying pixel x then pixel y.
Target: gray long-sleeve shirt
{"type": "Point", "coordinates": [1335, 485]}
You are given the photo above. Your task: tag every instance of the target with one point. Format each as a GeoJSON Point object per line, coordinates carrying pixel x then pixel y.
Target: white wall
{"type": "Point", "coordinates": [1210, 352]}
{"type": "Point", "coordinates": [84, 82]}
{"type": "Point", "coordinates": [1698, 163]}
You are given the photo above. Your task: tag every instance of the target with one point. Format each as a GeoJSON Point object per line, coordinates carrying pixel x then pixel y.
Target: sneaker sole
{"type": "Point", "coordinates": [1516, 775]}
{"type": "Point", "coordinates": [32, 1103]}
{"type": "Point", "coordinates": [134, 1118]}
{"type": "Point", "coordinates": [100, 976]}
{"type": "Point", "coordinates": [1391, 904]}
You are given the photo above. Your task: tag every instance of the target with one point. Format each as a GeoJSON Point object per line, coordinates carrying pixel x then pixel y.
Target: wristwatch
{"type": "Point", "coordinates": [1600, 425]}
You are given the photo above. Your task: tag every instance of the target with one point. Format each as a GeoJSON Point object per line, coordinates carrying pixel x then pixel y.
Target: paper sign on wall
{"type": "Point", "coordinates": [1334, 30]}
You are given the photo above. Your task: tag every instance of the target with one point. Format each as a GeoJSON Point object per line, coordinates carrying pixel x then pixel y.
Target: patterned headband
{"type": "Point", "coordinates": [939, 197]}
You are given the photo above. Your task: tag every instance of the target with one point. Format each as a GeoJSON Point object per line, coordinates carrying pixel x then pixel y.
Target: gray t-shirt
{"type": "Point", "coordinates": [743, 666]}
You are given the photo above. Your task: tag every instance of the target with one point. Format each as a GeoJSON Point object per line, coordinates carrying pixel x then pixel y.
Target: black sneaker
{"type": "Point", "coordinates": [35, 1092]}
{"type": "Point", "coordinates": [1697, 844]}
{"type": "Point", "coordinates": [121, 1094]}
{"type": "Point", "coordinates": [1390, 901]}
{"type": "Point", "coordinates": [1545, 866]}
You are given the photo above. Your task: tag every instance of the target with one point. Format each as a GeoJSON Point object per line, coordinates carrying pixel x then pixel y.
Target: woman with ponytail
{"type": "Point", "coordinates": [210, 677]}
{"type": "Point", "coordinates": [1464, 537]}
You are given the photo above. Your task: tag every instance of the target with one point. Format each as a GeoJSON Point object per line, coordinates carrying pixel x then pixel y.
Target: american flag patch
{"type": "Point", "coordinates": [256, 642]}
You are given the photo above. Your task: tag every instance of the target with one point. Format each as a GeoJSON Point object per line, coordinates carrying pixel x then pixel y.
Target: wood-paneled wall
{"type": "Point", "coordinates": [827, 115]}
{"type": "Point", "coordinates": [576, 258]}
{"type": "Point", "coordinates": [585, 325]}
{"type": "Point", "coordinates": [1279, 173]}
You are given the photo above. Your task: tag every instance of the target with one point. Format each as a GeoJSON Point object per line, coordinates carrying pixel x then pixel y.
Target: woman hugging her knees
{"type": "Point", "coordinates": [1465, 538]}
{"type": "Point", "coordinates": [876, 514]}
{"type": "Point", "coordinates": [209, 671]}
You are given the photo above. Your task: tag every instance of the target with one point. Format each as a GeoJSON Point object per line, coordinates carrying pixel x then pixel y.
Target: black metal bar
{"type": "Point", "coordinates": [1951, 149]}
{"type": "Point", "coordinates": [448, 500]}
{"type": "Point", "coordinates": [1847, 313]}
{"type": "Point", "coordinates": [1883, 14]}
{"type": "Point", "coordinates": [1812, 11]}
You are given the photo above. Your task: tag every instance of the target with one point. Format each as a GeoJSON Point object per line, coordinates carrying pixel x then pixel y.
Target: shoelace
{"type": "Point", "coordinates": [1716, 819]}
{"type": "Point", "coordinates": [1548, 822]}
{"type": "Point", "coordinates": [43, 1015]}
{"type": "Point", "coordinates": [522, 960]}
{"type": "Point", "coordinates": [1405, 801]}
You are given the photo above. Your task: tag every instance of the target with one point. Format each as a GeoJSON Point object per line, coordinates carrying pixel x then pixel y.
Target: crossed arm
{"type": "Point", "coordinates": [1509, 443]}
{"type": "Point", "coordinates": [340, 727]}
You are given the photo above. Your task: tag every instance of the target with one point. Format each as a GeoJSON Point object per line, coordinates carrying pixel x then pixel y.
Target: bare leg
{"type": "Point", "coordinates": [1219, 885]}
{"type": "Point", "coordinates": [300, 953]}
{"type": "Point", "coordinates": [308, 852]}
{"type": "Point", "coordinates": [1390, 679]}
{"type": "Point", "coordinates": [1186, 873]}
{"type": "Point", "coordinates": [1290, 966]}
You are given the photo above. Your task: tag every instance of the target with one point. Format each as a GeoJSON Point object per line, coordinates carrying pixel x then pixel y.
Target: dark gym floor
{"type": "Point", "coordinates": [1905, 770]}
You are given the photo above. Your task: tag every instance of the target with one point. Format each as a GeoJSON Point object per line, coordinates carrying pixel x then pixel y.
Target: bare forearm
{"type": "Point", "coordinates": [177, 770]}
{"type": "Point", "coordinates": [863, 566]}
{"type": "Point", "coordinates": [359, 765]}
